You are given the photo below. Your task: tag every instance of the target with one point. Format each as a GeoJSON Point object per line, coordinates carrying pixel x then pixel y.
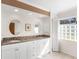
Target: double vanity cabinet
{"type": "Point", "coordinates": [24, 50]}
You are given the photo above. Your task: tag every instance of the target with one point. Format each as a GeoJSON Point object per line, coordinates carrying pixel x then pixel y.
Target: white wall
{"type": "Point", "coordinates": [46, 25]}
{"type": "Point", "coordinates": [24, 18]}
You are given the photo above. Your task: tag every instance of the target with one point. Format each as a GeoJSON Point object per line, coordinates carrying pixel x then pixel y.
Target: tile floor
{"type": "Point", "coordinates": [55, 55]}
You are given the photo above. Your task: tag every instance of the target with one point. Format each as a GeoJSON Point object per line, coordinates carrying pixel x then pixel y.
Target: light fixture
{"type": "Point", "coordinates": [30, 13]}
{"type": "Point", "coordinates": [16, 10]}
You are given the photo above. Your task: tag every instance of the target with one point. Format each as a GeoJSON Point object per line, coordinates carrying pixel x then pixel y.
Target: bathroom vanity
{"type": "Point", "coordinates": [31, 48]}
{"type": "Point", "coordinates": [24, 36]}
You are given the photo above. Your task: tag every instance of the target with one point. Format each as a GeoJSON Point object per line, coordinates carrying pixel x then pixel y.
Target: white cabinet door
{"type": "Point", "coordinates": [20, 50]}
{"type": "Point", "coordinates": [35, 48]}
{"type": "Point", "coordinates": [17, 53]}
{"type": "Point", "coordinates": [41, 47]}
{"type": "Point", "coordinates": [23, 50]}
{"type": "Point", "coordinates": [42, 44]}
{"type": "Point", "coordinates": [8, 53]}
{"type": "Point", "coordinates": [38, 48]}
{"type": "Point", "coordinates": [31, 50]}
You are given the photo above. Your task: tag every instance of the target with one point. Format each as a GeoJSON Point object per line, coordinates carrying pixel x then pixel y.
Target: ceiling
{"type": "Point", "coordinates": [56, 6]}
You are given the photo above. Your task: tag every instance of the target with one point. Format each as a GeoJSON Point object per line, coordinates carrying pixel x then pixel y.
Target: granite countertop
{"type": "Point", "coordinates": [14, 40]}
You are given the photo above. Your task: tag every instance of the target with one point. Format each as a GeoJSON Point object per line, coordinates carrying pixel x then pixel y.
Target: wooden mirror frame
{"type": "Point", "coordinates": [12, 28]}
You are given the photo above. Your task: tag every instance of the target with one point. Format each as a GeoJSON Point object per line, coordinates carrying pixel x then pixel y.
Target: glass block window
{"type": "Point", "coordinates": [68, 29]}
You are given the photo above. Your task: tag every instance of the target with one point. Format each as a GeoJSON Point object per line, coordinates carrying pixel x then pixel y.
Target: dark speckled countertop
{"type": "Point", "coordinates": [14, 40]}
